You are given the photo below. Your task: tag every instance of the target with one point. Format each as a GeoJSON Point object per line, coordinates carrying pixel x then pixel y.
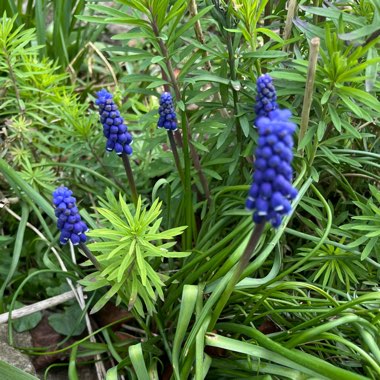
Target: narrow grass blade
{"type": "Point", "coordinates": [17, 248]}
{"type": "Point", "coordinates": [14, 177]}
{"type": "Point", "coordinates": [189, 297]}
{"type": "Point", "coordinates": [137, 359]}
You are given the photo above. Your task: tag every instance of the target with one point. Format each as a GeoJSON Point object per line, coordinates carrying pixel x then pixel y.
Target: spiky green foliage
{"type": "Point", "coordinates": [127, 254]}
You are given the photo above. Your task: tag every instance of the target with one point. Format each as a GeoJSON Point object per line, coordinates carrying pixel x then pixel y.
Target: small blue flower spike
{"type": "Point", "coordinates": [168, 117]}
{"type": "Point", "coordinates": [266, 96]}
{"type": "Point", "coordinates": [114, 129]}
{"type": "Point", "coordinates": [69, 221]}
{"type": "Point", "coordinates": [272, 190]}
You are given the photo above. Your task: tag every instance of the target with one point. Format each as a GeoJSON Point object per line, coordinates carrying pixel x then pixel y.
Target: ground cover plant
{"type": "Point", "coordinates": [193, 185]}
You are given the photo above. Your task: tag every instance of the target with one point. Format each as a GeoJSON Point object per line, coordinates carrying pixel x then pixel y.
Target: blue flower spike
{"type": "Point", "coordinates": [69, 221]}
{"type": "Point", "coordinates": [271, 191]}
{"type": "Point", "coordinates": [114, 129]}
{"type": "Point", "coordinates": [266, 96]}
{"type": "Point", "coordinates": [168, 116]}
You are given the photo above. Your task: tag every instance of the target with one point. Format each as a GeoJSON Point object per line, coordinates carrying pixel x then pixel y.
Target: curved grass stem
{"type": "Point", "coordinates": [239, 269]}
{"type": "Point", "coordinates": [173, 146]}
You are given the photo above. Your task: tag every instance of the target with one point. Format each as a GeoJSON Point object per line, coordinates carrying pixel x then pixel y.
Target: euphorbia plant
{"type": "Point", "coordinates": [130, 245]}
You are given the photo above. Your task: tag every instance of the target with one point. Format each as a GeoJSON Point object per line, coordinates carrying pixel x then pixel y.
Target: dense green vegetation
{"type": "Point", "coordinates": [302, 303]}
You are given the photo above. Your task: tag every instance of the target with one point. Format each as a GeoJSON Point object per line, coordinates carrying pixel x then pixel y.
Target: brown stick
{"type": "Point", "coordinates": [308, 97]}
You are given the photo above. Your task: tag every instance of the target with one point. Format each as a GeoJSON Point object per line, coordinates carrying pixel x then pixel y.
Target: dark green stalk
{"type": "Point", "coordinates": [131, 180]}
{"type": "Point", "coordinates": [106, 170]}
{"type": "Point", "coordinates": [187, 188]}
{"type": "Point", "coordinates": [14, 81]}
{"type": "Point", "coordinates": [173, 80]}
{"type": "Point", "coordinates": [175, 154]}
{"type": "Point", "coordinates": [90, 256]}
{"type": "Point", "coordinates": [231, 60]}
{"type": "Point", "coordinates": [238, 270]}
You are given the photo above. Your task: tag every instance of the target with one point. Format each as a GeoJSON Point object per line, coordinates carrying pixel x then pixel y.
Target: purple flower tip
{"type": "Point", "coordinates": [114, 129]}
{"type": "Point", "coordinates": [69, 221]}
{"type": "Point", "coordinates": [266, 96]}
{"type": "Point", "coordinates": [168, 116]}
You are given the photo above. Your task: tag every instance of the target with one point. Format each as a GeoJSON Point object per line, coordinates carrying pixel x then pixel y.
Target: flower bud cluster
{"type": "Point", "coordinates": [69, 221]}
{"type": "Point", "coordinates": [266, 96]}
{"type": "Point", "coordinates": [272, 190]}
{"type": "Point", "coordinates": [114, 129]}
{"type": "Point", "coordinates": [168, 117]}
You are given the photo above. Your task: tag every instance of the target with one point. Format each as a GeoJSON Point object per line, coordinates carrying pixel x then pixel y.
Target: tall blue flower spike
{"type": "Point", "coordinates": [168, 117]}
{"type": "Point", "coordinates": [272, 190]}
{"type": "Point", "coordinates": [266, 96]}
{"type": "Point", "coordinates": [114, 129]}
{"type": "Point", "coordinates": [69, 221]}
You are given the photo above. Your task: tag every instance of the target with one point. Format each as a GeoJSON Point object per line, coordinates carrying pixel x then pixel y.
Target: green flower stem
{"type": "Point", "coordinates": [187, 130]}
{"type": "Point", "coordinates": [104, 167]}
{"type": "Point", "coordinates": [90, 256]}
{"type": "Point", "coordinates": [306, 360]}
{"type": "Point", "coordinates": [176, 156]}
{"type": "Point", "coordinates": [189, 214]}
{"type": "Point", "coordinates": [231, 60]}
{"type": "Point", "coordinates": [308, 97]}
{"type": "Point", "coordinates": [131, 180]}
{"type": "Point", "coordinates": [242, 264]}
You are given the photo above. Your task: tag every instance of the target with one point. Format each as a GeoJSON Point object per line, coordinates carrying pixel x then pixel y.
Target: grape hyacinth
{"type": "Point", "coordinates": [266, 96]}
{"type": "Point", "coordinates": [168, 117]}
{"type": "Point", "coordinates": [69, 221]}
{"type": "Point", "coordinates": [114, 129]}
{"type": "Point", "coordinates": [271, 191]}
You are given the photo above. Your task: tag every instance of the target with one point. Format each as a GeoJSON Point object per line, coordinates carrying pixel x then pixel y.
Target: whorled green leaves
{"type": "Point", "coordinates": [127, 249]}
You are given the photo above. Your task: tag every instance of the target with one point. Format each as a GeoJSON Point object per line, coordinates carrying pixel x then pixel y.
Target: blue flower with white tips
{"type": "Point", "coordinates": [266, 96]}
{"type": "Point", "coordinates": [69, 220]}
{"type": "Point", "coordinates": [114, 129]}
{"type": "Point", "coordinates": [168, 117]}
{"type": "Point", "coordinates": [272, 191]}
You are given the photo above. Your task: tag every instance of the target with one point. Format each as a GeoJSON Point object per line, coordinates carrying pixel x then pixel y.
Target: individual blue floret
{"type": "Point", "coordinates": [168, 117]}
{"type": "Point", "coordinates": [69, 221]}
{"type": "Point", "coordinates": [114, 129]}
{"type": "Point", "coordinates": [272, 190]}
{"type": "Point", "coordinates": [266, 96]}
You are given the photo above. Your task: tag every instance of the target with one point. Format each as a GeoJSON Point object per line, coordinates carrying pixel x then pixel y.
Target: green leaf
{"type": "Point", "coordinates": [9, 372]}
{"type": "Point", "coordinates": [157, 59]}
{"type": "Point", "coordinates": [207, 78]}
{"type": "Point", "coordinates": [112, 374]}
{"type": "Point", "coordinates": [14, 177]}
{"type": "Point", "coordinates": [69, 322]}
{"type": "Point", "coordinates": [335, 117]}
{"type": "Point", "coordinates": [28, 322]}
{"type": "Point", "coordinates": [361, 95]}
{"type": "Point", "coordinates": [261, 53]}
{"type": "Point", "coordinates": [368, 248]}
{"type": "Point", "coordinates": [274, 36]}
{"type": "Point", "coordinates": [137, 359]}
{"type": "Point", "coordinates": [359, 33]}
{"type": "Point", "coordinates": [188, 25]}
{"type": "Point", "coordinates": [189, 297]}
